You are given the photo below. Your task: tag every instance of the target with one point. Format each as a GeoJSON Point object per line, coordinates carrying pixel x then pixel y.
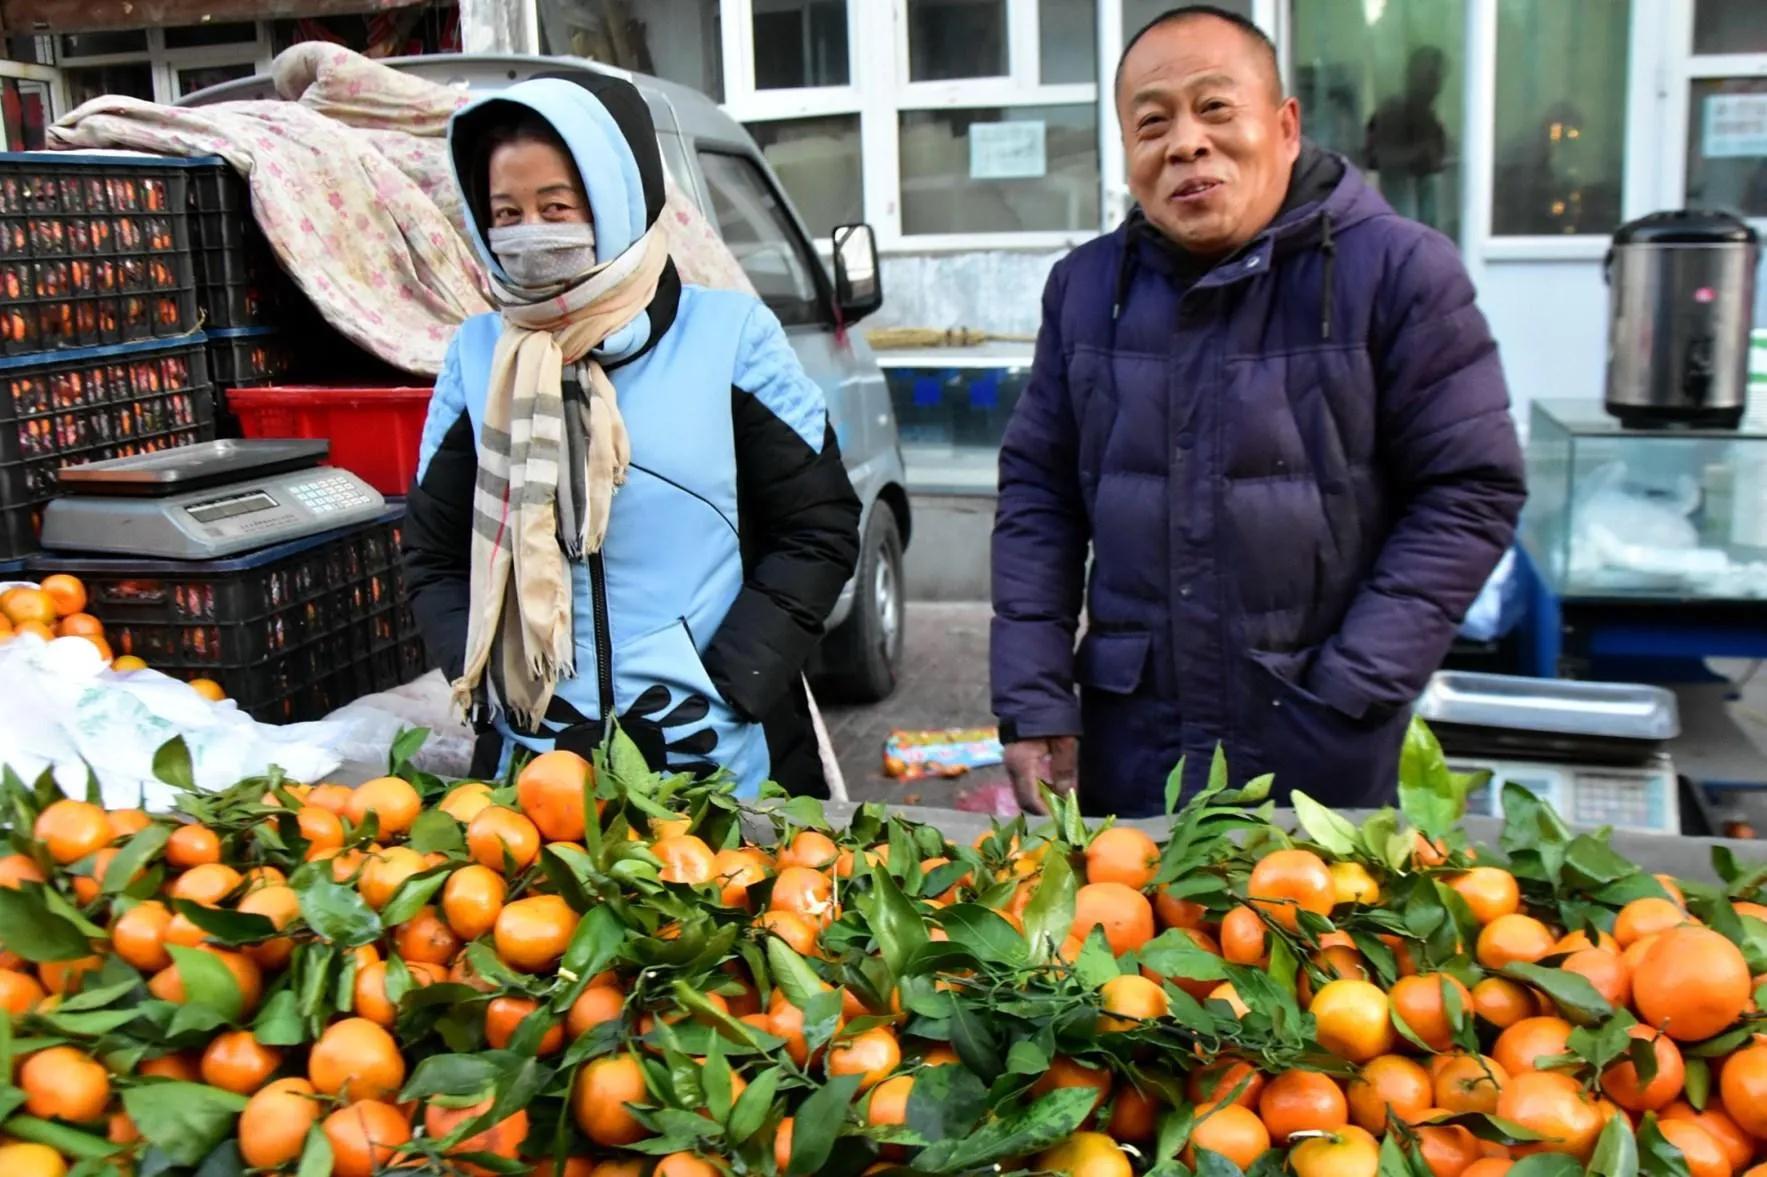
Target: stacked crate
{"type": "Point", "coordinates": [100, 351]}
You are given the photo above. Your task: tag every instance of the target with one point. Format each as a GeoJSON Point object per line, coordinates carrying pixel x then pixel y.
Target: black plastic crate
{"type": "Point", "coordinates": [248, 357]}
{"type": "Point", "coordinates": [239, 282]}
{"type": "Point", "coordinates": [290, 632]}
{"type": "Point", "coordinates": [94, 250]}
{"type": "Point", "coordinates": [68, 408]}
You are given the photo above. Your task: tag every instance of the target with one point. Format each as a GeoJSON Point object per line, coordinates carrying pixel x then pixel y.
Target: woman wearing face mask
{"type": "Point", "coordinates": [629, 503]}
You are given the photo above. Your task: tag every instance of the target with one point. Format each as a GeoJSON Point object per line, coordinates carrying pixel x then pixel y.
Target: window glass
{"type": "Point", "coordinates": [759, 232]}
{"type": "Point", "coordinates": [25, 106]}
{"type": "Point", "coordinates": [1067, 35]}
{"type": "Point", "coordinates": [800, 43]}
{"type": "Point", "coordinates": [1013, 170]}
{"type": "Point", "coordinates": [31, 50]}
{"type": "Point", "coordinates": [956, 39]}
{"type": "Point", "coordinates": [1381, 83]}
{"type": "Point", "coordinates": [681, 40]}
{"type": "Point", "coordinates": [89, 82]}
{"type": "Point", "coordinates": [203, 76]}
{"type": "Point", "coordinates": [1561, 116]}
{"type": "Point", "coordinates": [1727, 145]}
{"type": "Point", "coordinates": [951, 421]}
{"type": "Point", "coordinates": [95, 44]}
{"type": "Point", "coordinates": [192, 36]}
{"type": "Point", "coordinates": [1729, 26]}
{"type": "Point", "coordinates": [1138, 14]}
{"type": "Point", "coordinates": [818, 162]}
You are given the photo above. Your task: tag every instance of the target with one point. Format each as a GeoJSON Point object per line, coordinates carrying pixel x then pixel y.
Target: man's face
{"type": "Point", "coordinates": [1210, 145]}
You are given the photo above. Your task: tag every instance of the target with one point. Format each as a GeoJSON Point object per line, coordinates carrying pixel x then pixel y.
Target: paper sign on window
{"type": "Point", "coordinates": [1007, 151]}
{"type": "Point", "coordinates": [1736, 125]}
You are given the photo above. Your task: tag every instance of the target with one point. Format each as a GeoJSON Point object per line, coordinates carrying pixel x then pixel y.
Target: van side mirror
{"type": "Point", "coordinates": [858, 283]}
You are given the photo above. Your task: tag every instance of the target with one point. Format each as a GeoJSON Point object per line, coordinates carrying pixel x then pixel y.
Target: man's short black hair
{"type": "Point", "coordinates": [1186, 12]}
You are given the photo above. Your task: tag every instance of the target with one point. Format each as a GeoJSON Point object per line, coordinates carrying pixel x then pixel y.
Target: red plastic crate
{"type": "Point", "coordinates": [374, 432]}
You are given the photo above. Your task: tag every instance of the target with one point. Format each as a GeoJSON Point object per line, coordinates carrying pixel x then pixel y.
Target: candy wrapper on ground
{"type": "Point", "coordinates": [913, 755]}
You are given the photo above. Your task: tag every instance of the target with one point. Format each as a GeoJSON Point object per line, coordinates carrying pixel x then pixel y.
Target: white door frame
{"type": "Point", "coordinates": [1681, 67]}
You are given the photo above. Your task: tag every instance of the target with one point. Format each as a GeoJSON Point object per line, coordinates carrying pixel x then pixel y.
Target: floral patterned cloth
{"type": "Point", "coordinates": [350, 183]}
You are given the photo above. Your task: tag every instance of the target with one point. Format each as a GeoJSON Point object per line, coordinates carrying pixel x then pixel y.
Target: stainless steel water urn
{"type": "Point", "coordinates": [1681, 298]}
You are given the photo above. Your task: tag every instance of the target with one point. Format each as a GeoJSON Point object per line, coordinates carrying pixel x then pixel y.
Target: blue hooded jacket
{"type": "Point", "coordinates": [736, 528]}
{"type": "Point", "coordinates": [1291, 473]}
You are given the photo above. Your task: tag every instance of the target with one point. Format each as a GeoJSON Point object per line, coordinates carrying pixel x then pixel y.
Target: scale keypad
{"type": "Point", "coordinates": [327, 496]}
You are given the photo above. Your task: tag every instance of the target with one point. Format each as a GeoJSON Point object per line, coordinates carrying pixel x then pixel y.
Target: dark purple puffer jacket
{"type": "Point", "coordinates": [1292, 477]}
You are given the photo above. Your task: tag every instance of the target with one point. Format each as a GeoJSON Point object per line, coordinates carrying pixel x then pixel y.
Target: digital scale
{"type": "Point", "coordinates": [201, 502]}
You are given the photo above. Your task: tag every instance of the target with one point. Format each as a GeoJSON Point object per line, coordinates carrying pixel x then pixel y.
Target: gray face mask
{"type": "Point", "coordinates": [545, 254]}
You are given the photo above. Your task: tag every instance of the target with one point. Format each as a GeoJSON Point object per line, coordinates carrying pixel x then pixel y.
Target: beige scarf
{"type": "Point", "coordinates": [547, 474]}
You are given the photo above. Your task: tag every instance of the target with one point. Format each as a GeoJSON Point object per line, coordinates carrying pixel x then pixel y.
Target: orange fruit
{"type": "Point", "coordinates": [1122, 854]}
{"type": "Point", "coordinates": [365, 1137]}
{"type": "Point", "coordinates": [532, 933]}
{"type": "Point", "coordinates": [125, 822]}
{"type": "Point", "coordinates": [66, 593]}
{"type": "Point", "coordinates": [62, 977]}
{"type": "Point", "coordinates": [385, 871]}
{"type": "Point", "coordinates": [139, 936]}
{"type": "Point", "coordinates": [333, 797]}
{"type": "Point", "coordinates": [1489, 891]}
{"type": "Point", "coordinates": [1503, 1002]}
{"type": "Point", "coordinates": [1285, 883]}
{"type": "Point", "coordinates": [1738, 1145]}
{"type": "Point", "coordinates": [323, 829]}
{"type": "Point", "coordinates": [273, 1127]}
{"type": "Point", "coordinates": [19, 992]}
{"type": "Point", "coordinates": [125, 663]}
{"type": "Point", "coordinates": [799, 934]}
{"type": "Point", "coordinates": [1086, 1154]}
{"type": "Point", "coordinates": [1553, 1106]}
{"type": "Point", "coordinates": [1066, 1072]}
{"type": "Point", "coordinates": [1244, 938]}
{"type": "Point", "coordinates": [736, 871]}
{"type": "Point", "coordinates": [1605, 970]}
{"type": "Point", "coordinates": [1352, 1020]}
{"type": "Point", "coordinates": [872, 1055]}
{"type": "Point", "coordinates": [598, 1100]}
{"type": "Point", "coordinates": [501, 1139]}
{"type": "Point", "coordinates": [183, 1067]}
{"type": "Point", "coordinates": [280, 905]}
{"type": "Point", "coordinates": [1197, 989]}
{"type": "Point", "coordinates": [70, 830]}
{"type": "Point", "coordinates": [1468, 1083]}
{"type": "Point", "coordinates": [1448, 1150]}
{"type": "Point", "coordinates": [809, 848]}
{"type": "Point", "coordinates": [20, 868]}
{"type": "Point", "coordinates": [1302, 1101]}
{"type": "Point", "coordinates": [593, 1006]}
{"type": "Point", "coordinates": [550, 790]}
{"type": "Point", "coordinates": [1123, 912]}
{"type": "Point", "coordinates": [1420, 1002]}
{"type": "Point", "coordinates": [1232, 1131]}
{"type": "Point", "coordinates": [498, 832]}
{"type": "Point", "coordinates": [1692, 984]}
{"type": "Point", "coordinates": [64, 1083]}
{"type": "Point", "coordinates": [1513, 938]}
{"type": "Point", "coordinates": [505, 1014]}
{"type": "Point", "coordinates": [1348, 1152]}
{"type": "Point", "coordinates": [471, 899]}
{"type": "Point", "coordinates": [1620, 1080]}
{"type": "Point", "coordinates": [685, 1164]}
{"type": "Point", "coordinates": [79, 625]}
{"type": "Point", "coordinates": [368, 997]}
{"type": "Point", "coordinates": [1388, 1081]}
{"type": "Point", "coordinates": [357, 1060]}
{"type": "Point", "coordinates": [1215, 1081]}
{"type": "Point", "coordinates": [1703, 1155]}
{"type": "Point", "coordinates": [1352, 884]}
{"type": "Point", "coordinates": [1130, 1000]}
{"type": "Point", "coordinates": [803, 891]}
{"type": "Point", "coordinates": [686, 859]}
{"type": "Point", "coordinates": [393, 801]}
{"type": "Point", "coordinates": [426, 937]}
{"type": "Point", "coordinates": [466, 801]}
{"type": "Point", "coordinates": [22, 1159]}
{"type": "Point", "coordinates": [1488, 1167]}
{"type": "Point", "coordinates": [209, 689]}
{"type": "Point", "coordinates": [1531, 1041]}
{"type": "Point", "coordinates": [1178, 913]}
{"type": "Point", "coordinates": [1135, 1115]}
{"type": "Point", "coordinates": [168, 985]}
{"type": "Point", "coordinates": [207, 884]}
{"type": "Point", "coordinates": [236, 1061]}
{"type": "Point", "coordinates": [23, 606]}
{"type": "Point", "coordinates": [98, 643]}
{"type": "Point", "coordinates": [1743, 1089]}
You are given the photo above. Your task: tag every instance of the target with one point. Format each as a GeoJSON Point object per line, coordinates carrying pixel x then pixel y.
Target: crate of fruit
{"type": "Point", "coordinates": [72, 407]}
{"type": "Point", "coordinates": [94, 250]}
{"type": "Point", "coordinates": [290, 632]}
{"type": "Point", "coordinates": [238, 280]}
{"type": "Point", "coordinates": [248, 357]}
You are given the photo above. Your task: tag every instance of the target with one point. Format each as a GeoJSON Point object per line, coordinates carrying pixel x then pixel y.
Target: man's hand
{"type": "Point", "coordinates": [1054, 762]}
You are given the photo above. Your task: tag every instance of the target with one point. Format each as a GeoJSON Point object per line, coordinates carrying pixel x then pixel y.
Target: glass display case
{"type": "Point", "coordinates": [1637, 514]}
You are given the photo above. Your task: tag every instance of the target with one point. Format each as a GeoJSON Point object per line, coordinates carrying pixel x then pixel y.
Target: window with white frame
{"type": "Point", "coordinates": [161, 64]}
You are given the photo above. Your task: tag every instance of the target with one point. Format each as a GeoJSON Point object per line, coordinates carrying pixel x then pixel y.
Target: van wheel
{"type": "Point", "coordinates": [862, 656]}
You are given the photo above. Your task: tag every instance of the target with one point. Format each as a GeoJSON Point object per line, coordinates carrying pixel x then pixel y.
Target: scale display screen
{"type": "Point", "coordinates": [216, 510]}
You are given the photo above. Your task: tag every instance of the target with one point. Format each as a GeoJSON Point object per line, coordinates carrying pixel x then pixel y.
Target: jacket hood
{"type": "Point", "coordinates": [607, 128]}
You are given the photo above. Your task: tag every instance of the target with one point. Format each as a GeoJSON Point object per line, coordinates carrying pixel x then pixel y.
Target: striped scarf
{"type": "Point", "coordinates": [548, 469]}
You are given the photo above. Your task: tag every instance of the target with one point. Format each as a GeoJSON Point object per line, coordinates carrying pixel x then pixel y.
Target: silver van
{"type": "Point", "coordinates": [718, 165]}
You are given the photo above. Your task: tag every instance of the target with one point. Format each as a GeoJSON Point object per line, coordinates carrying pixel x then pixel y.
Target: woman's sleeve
{"type": "Point", "coordinates": [799, 522]}
{"type": "Point", "coordinates": [438, 521]}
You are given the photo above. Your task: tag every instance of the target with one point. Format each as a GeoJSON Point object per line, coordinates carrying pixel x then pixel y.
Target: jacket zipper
{"type": "Point", "coordinates": [604, 643]}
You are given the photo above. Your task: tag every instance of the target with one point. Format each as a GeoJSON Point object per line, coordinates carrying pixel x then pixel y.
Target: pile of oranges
{"type": "Point", "coordinates": [56, 608]}
{"type": "Point", "coordinates": [612, 974]}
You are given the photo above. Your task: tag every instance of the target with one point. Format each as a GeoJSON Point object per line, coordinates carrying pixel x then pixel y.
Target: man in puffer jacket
{"type": "Point", "coordinates": [1268, 411]}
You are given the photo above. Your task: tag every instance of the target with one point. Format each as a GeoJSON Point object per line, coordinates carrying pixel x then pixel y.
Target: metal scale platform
{"type": "Point", "coordinates": [206, 501]}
